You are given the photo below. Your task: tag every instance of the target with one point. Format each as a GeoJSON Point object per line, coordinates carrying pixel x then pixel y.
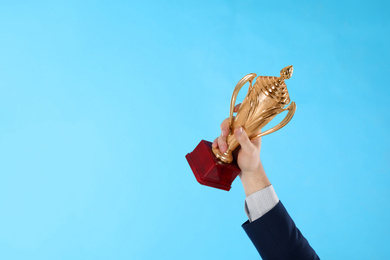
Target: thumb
{"type": "Point", "coordinates": [243, 138]}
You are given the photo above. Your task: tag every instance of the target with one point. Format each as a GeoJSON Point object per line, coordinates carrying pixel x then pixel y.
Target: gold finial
{"type": "Point", "coordinates": [286, 72]}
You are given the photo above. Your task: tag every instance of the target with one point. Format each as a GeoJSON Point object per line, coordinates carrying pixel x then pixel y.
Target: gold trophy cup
{"type": "Point", "coordinates": [266, 98]}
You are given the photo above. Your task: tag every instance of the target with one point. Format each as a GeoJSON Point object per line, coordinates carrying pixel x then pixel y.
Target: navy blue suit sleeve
{"type": "Point", "coordinates": [275, 236]}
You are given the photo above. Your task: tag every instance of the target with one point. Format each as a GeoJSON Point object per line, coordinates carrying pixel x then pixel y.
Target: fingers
{"type": "Point", "coordinates": [243, 139]}
{"type": "Point", "coordinates": [221, 143]}
{"type": "Point", "coordinates": [215, 143]}
{"type": "Point", "coordinates": [225, 129]}
{"type": "Point", "coordinates": [221, 140]}
{"type": "Point", "coordinates": [236, 107]}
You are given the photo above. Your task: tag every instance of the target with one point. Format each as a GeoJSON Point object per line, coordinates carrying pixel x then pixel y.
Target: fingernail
{"type": "Point", "coordinates": [222, 133]}
{"type": "Point", "coordinates": [239, 130]}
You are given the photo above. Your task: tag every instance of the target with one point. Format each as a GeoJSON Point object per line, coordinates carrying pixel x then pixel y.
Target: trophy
{"type": "Point", "coordinates": [266, 98]}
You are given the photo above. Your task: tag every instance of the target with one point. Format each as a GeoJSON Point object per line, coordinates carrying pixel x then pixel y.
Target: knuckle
{"type": "Point", "coordinates": [225, 123]}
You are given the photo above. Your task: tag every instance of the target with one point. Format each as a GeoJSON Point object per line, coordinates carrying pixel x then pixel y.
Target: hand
{"type": "Point", "coordinates": [252, 173]}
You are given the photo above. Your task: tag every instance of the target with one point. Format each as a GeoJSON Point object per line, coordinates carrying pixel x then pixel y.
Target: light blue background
{"type": "Point", "coordinates": [101, 100]}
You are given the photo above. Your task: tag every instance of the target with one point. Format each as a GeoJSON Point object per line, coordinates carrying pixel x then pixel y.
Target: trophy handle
{"type": "Point", "coordinates": [291, 110]}
{"type": "Point", "coordinates": [237, 89]}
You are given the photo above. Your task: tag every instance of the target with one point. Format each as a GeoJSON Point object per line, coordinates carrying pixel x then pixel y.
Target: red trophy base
{"type": "Point", "coordinates": [208, 170]}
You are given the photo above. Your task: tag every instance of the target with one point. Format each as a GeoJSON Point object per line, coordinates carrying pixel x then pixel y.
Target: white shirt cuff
{"type": "Point", "coordinates": [260, 202]}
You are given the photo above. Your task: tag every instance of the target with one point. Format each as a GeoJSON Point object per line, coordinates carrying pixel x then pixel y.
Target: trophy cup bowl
{"type": "Point", "coordinates": [265, 99]}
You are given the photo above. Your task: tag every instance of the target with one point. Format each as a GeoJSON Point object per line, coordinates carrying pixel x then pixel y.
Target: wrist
{"type": "Point", "coordinates": [255, 180]}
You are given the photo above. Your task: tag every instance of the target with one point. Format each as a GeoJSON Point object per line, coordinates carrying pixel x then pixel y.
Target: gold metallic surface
{"type": "Point", "coordinates": [264, 100]}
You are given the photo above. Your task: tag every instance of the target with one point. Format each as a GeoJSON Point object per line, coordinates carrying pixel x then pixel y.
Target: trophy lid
{"type": "Point", "coordinates": [275, 87]}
